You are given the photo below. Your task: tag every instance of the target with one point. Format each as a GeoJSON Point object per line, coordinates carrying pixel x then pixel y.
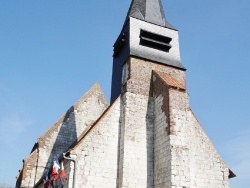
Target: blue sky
{"type": "Point", "coordinates": [52, 52]}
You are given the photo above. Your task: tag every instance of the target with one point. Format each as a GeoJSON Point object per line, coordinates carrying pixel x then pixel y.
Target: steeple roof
{"type": "Point", "coordinates": [149, 11]}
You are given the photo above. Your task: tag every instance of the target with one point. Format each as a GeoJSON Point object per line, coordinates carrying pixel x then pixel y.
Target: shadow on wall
{"type": "Point", "coordinates": [149, 119]}
{"type": "Point", "coordinates": [19, 179]}
{"type": "Point", "coordinates": [66, 137]}
{"type": "Point", "coordinates": [120, 148]}
{"type": "Point", "coordinates": [150, 142]}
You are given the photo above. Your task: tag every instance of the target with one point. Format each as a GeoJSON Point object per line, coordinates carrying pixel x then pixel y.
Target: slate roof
{"type": "Point", "coordinates": [150, 11]}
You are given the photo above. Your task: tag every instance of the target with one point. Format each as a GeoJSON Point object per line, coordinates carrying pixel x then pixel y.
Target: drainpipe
{"type": "Point", "coordinates": [74, 174]}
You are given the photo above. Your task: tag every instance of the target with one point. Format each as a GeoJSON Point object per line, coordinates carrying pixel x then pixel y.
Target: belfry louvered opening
{"type": "Point", "coordinates": [155, 41]}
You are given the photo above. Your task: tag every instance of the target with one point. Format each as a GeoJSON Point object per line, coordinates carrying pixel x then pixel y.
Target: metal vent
{"type": "Point", "coordinates": [155, 41]}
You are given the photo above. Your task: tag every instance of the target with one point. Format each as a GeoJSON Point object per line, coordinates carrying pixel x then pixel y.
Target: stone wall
{"type": "Point", "coordinates": [162, 153]}
{"type": "Point", "coordinates": [136, 167]}
{"type": "Point", "coordinates": [136, 158]}
{"type": "Point", "coordinates": [28, 171]}
{"type": "Point", "coordinates": [178, 135]}
{"type": "Point", "coordinates": [97, 152]}
{"type": "Point", "coordinates": [184, 155]}
{"type": "Point", "coordinates": [194, 160]}
{"type": "Point", "coordinates": [207, 169]}
{"type": "Point", "coordinates": [148, 137]}
{"type": "Point", "coordinates": [63, 134]}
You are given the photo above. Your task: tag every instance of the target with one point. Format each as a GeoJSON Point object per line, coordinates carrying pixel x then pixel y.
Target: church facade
{"type": "Point", "coordinates": [148, 137]}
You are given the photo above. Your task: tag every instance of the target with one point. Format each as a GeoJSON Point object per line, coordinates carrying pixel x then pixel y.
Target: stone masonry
{"type": "Point", "coordinates": [148, 137]}
{"type": "Point", "coordinates": [61, 135]}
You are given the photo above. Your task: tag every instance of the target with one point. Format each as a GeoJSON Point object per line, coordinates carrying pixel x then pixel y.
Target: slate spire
{"type": "Point", "coordinates": [150, 11]}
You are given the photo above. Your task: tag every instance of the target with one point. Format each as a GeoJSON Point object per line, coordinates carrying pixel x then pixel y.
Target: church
{"type": "Point", "coordinates": [147, 135]}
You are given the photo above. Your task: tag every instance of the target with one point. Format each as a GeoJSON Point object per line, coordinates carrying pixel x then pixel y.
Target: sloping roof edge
{"type": "Point", "coordinates": [90, 128]}
{"type": "Point", "coordinates": [149, 11]}
{"type": "Point", "coordinates": [169, 80]}
{"type": "Point", "coordinates": [96, 86]}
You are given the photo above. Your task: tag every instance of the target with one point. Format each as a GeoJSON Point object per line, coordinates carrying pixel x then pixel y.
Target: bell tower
{"type": "Point", "coordinates": [146, 34]}
{"type": "Point", "coordinates": [148, 137]}
{"type": "Point", "coordinates": [161, 143]}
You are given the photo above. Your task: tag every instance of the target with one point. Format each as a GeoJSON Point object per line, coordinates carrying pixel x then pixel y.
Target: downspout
{"type": "Point", "coordinates": [74, 174]}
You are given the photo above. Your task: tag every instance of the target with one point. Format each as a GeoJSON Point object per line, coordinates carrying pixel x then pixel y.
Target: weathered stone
{"type": "Point", "coordinates": [147, 138]}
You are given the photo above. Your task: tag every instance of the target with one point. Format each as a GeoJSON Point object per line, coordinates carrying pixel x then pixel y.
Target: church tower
{"type": "Point", "coordinates": [148, 137]}
{"type": "Point", "coordinates": [146, 34]}
{"type": "Point", "coordinates": [161, 142]}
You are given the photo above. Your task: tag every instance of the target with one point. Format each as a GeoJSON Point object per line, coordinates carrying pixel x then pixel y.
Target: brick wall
{"type": "Point", "coordinates": [139, 72]}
